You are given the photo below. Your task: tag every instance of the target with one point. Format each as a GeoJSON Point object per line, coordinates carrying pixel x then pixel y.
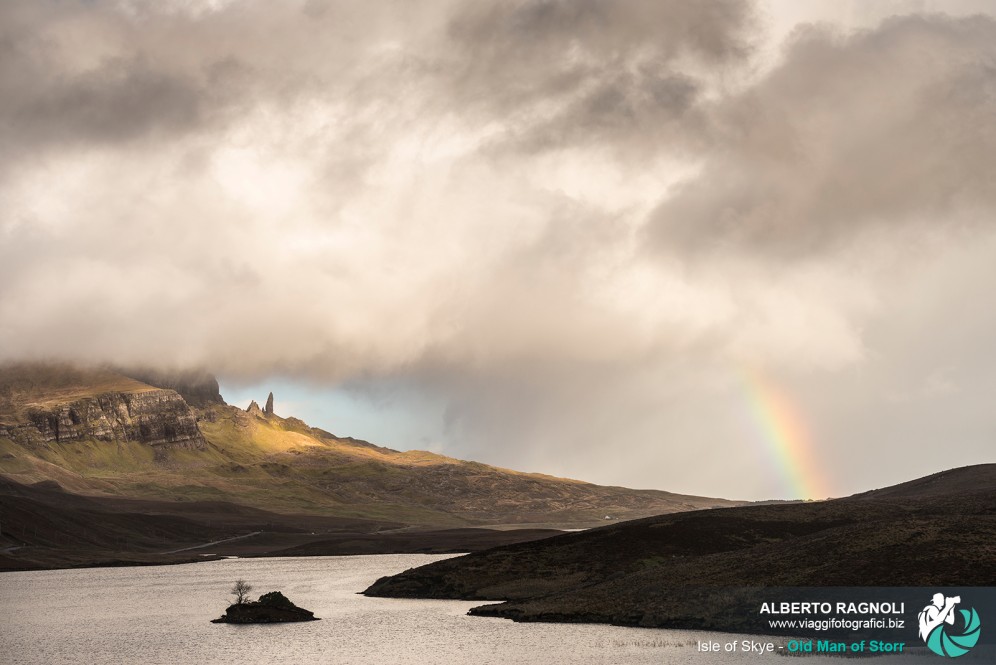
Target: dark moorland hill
{"type": "Point", "coordinates": [42, 526]}
{"type": "Point", "coordinates": [936, 531]}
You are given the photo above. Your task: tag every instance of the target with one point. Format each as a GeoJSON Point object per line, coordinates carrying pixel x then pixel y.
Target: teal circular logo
{"type": "Point", "coordinates": [946, 631]}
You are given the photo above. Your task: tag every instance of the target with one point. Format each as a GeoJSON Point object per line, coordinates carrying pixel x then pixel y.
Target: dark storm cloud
{"type": "Point", "coordinates": [592, 71]}
{"type": "Point", "coordinates": [557, 73]}
{"type": "Point", "coordinates": [119, 101]}
{"type": "Point", "coordinates": [891, 126]}
{"type": "Point", "coordinates": [526, 37]}
{"type": "Point", "coordinates": [59, 83]}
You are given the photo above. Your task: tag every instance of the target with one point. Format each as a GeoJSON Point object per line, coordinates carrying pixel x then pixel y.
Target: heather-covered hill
{"type": "Point", "coordinates": [937, 531]}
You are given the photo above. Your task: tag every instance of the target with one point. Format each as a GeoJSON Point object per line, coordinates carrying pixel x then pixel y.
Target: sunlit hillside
{"type": "Point", "coordinates": [263, 460]}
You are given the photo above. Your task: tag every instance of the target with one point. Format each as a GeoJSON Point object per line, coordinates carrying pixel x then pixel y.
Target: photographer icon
{"type": "Point", "coordinates": [941, 610]}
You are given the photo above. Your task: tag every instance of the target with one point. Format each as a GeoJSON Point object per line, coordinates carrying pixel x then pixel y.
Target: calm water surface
{"type": "Point", "coordinates": [161, 614]}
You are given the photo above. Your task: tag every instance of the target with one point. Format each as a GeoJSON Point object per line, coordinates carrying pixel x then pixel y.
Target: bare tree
{"type": "Point", "coordinates": [240, 591]}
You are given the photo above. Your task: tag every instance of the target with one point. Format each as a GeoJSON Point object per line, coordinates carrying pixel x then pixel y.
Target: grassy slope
{"type": "Point", "coordinates": [285, 466]}
{"type": "Point", "coordinates": [259, 464]}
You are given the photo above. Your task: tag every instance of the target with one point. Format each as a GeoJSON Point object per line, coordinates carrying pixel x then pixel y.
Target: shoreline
{"type": "Point", "coordinates": [279, 545]}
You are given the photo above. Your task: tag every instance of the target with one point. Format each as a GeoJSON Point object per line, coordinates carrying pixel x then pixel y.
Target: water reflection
{"type": "Point", "coordinates": [161, 614]}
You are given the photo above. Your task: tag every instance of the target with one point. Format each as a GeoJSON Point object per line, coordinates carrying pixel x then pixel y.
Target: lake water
{"type": "Point", "coordinates": [161, 614]}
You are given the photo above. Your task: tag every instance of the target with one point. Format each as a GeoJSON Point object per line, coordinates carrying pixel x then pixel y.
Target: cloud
{"type": "Point", "coordinates": [568, 222]}
{"type": "Point", "coordinates": [851, 132]}
{"type": "Point", "coordinates": [63, 86]}
{"type": "Point", "coordinates": [566, 73]}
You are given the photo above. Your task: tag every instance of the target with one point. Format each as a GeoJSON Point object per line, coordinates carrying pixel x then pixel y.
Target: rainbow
{"type": "Point", "coordinates": [788, 442]}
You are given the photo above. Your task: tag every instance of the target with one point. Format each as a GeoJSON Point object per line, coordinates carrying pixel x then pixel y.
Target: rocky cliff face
{"type": "Point", "coordinates": [154, 417]}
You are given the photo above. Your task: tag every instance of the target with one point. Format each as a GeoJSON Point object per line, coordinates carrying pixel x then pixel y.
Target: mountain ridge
{"type": "Point", "coordinates": [75, 426]}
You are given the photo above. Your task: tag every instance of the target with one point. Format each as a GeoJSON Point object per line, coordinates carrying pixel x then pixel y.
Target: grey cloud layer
{"type": "Point", "coordinates": [882, 127]}
{"type": "Point", "coordinates": [57, 90]}
{"type": "Point", "coordinates": [571, 221]}
{"type": "Point", "coordinates": [595, 70]}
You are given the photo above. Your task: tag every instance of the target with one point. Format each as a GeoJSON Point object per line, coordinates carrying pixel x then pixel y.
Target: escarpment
{"type": "Point", "coordinates": [154, 417]}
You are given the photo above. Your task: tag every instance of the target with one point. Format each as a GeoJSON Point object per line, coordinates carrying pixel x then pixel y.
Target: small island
{"type": "Point", "coordinates": [272, 607]}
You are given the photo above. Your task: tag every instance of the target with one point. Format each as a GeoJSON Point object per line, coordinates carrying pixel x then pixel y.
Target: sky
{"type": "Point", "coordinates": [720, 248]}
